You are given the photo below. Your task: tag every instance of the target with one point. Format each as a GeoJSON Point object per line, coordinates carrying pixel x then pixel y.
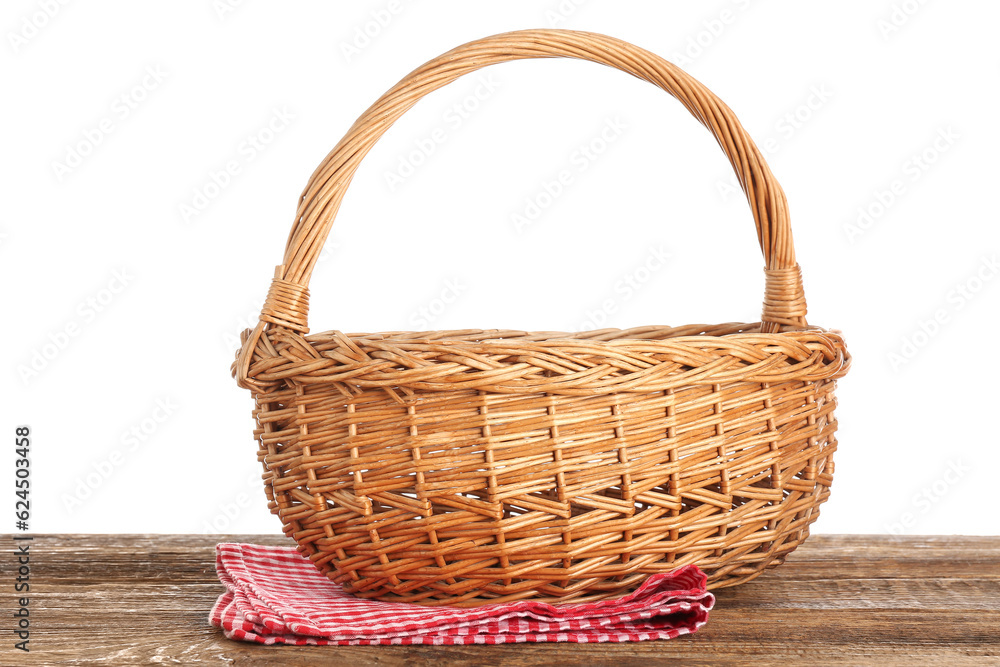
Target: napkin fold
{"type": "Point", "coordinates": [274, 595]}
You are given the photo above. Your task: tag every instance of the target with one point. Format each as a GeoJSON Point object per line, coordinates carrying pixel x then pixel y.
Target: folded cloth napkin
{"type": "Point", "coordinates": [274, 595]}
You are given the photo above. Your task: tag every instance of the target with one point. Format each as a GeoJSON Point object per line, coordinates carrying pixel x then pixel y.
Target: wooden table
{"type": "Point", "coordinates": [839, 600]}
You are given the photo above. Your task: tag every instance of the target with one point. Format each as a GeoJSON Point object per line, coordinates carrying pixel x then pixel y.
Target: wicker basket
{"type": "Point", "coordinates": [467, 467]}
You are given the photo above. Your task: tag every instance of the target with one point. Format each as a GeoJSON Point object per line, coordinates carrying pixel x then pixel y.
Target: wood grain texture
{"type": "Point", "coordinates": [839, 600]}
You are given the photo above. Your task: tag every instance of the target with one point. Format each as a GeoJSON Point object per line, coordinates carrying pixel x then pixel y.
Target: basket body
{"type": "Point", "coordinates": [527, 480]}
{"type": "Point", "coordinates": [468, 467]}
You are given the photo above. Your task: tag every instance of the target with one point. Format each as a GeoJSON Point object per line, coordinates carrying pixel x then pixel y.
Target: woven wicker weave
{"type": "Point", "coordinates": [466, 467]}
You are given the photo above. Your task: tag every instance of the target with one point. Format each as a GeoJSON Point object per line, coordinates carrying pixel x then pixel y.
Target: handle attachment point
{"type": "Point", "coordinates": [287, 304]}
{"type": "Point", "coordinates": [784, 298]}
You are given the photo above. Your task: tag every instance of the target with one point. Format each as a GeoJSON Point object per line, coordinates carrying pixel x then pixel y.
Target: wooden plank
{"type": "Point", "coordinates": [839, 600]}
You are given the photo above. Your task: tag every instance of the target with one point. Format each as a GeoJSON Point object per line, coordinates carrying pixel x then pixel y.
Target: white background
{"type": "Point", "coordinates": [843, 100]}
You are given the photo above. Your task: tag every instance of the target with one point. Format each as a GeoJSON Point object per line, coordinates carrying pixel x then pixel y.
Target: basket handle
{"type": "Point", "coordinates": [784, 302]}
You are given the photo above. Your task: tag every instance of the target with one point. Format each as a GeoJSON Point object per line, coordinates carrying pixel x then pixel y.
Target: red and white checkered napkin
{"type": "Point", "coordinates": [276, 596]}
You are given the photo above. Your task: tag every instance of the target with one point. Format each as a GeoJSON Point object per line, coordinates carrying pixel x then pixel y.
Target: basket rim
{"type": "Point", "coordinates": [609, 335]}
{"type": "Point", "coordinates": [525, 362]}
